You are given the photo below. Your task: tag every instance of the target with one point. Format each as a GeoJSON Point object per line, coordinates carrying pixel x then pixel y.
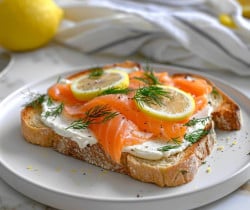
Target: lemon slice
{"type": "Point", "coordinates": [175, 105]}
{"type": "Point", "coordinates": [86, 87]}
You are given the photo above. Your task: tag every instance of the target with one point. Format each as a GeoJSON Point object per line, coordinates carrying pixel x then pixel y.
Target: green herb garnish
{"type": "Point", "coordinates": [37, 100]}
{"type": "Point", "coordinates": [194, 121]}
{"type": "Point", "coordinates": [215, 91]}
{"type": "Point", "coordinates": [176, 140]}
{"type": "Point", "coordinates": [149, 76]}
{"type": "Point", "coordinates": [59, 79]}
{"type": "Point", "coordinates": [195, 135]}
{"type": "Point", "coordinates": [49, 101]}
{"type": "Point", "coordinates": [79, 124]}
{"type": "Point", "coordinates": [96, 72]}
{"type": "Point", "coordinates": [99, 111]}
{"type": "Point", "coordinates": [54, 111]}
{"type": "Point", "coordinates": [151, 95]}
{"type": "Point", "coordinates": [168, 147]}
{"type": "Point", "coordinates": [92, 117]}
{"type": "Point", "coordinates": [113, 90]}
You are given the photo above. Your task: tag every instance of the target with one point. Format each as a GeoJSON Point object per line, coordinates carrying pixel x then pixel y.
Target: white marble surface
{"type": "Point", "coordinates": [53, 59]}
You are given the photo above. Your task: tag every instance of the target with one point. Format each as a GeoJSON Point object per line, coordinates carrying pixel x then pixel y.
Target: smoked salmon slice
{"type": "Point", "coordinates": [195, 86]}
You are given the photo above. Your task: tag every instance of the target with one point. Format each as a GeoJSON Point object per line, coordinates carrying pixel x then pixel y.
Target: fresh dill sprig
{"type": "Point", "coordinates": [176, 140]}
{"type": "Point", "coordinates": [151, 95]}
{"type": "Point", "coordinates": [196, 135]}
{"type": "Point", "coordinates": [168, 147]}
{"type": "Point", "coordinates": [96, 72]}
{"type": "Point", "coordinates": [79, 124]}
{"type": "Point", "coordinates": [149, 73]}
{"type": "Point", "coordinates": [109, 116]}
{"type": "Point", "coordinates": [114, 90]}
{"type": "Point", "coordinates": [37, 100]}
{"type": "Point", "coordinates": [49, 101]}
{"type": "Point", "coordinates": [194, 121]}
{"type": "Point", "coordinates": [59, 78]}
{"type": "Point", "coordinates": [215, 91]}
{"type": "Point", "coordinates": [99, 111]}
{"type": "Point", "coordinates": [149, 76]}
{"type": "Point", "coordinates": [54, 111]}
{"type": "Point", "coordinates": [92, 115]}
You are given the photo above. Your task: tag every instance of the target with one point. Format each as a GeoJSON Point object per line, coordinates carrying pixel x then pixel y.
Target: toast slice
{"type": "Point", "coordinates": [171, 171]}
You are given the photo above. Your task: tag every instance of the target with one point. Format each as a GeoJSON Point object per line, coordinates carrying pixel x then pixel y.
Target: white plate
{"type": "Point", "coordinates": [67, 183]}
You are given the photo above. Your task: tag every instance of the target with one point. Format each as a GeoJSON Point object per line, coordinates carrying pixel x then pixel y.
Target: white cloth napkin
{"type": "Point", "coordinates": [184, 32]}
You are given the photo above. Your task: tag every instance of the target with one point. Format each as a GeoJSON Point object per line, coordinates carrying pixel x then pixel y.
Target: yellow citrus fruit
{"type": "Point", "coordinates": [246, 11]}
{"type": "Point", "coordinates": [226, 20]}
{"type": "Point", "coordinates": [86, 87]}
{"type": "Point", "coordinates": [245, 8]}
{"type": "Point", "coordinates": [28, 24]}
{"type": "Point", "coordinates": [177, 105]}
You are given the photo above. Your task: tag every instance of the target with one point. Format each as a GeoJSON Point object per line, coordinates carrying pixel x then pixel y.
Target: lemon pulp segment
{"type": "Point", "coordinates": [86, 88]}
{"type": "Point", "coordinates": [178, 106]}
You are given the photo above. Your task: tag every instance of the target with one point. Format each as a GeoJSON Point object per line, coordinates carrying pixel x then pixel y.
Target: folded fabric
{"type": "Point", "coordinates": [180, 32]}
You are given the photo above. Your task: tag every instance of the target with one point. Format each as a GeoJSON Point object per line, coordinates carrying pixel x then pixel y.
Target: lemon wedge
{"type": "Point", "coordinates": [175, 105]}
{"type": "Point", "coordinates": [86, 87]}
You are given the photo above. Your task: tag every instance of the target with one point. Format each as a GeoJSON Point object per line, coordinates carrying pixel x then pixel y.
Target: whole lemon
{"type": "Point", "coordinates": [245, 8]}
{"type": "Point", "coordinates": [28, 24]}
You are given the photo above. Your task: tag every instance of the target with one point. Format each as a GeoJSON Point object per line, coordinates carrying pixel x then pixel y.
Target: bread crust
{"type": "Point", "coordinates": [172, 171]}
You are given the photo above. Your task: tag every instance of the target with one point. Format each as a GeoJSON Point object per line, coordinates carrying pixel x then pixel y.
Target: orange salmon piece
{"type": "Point", "coordinates": [195, 86]}
{"type": "Point", "coordinates": [62, 92]}
{"type": "Point", "coordinates": [117, 133]}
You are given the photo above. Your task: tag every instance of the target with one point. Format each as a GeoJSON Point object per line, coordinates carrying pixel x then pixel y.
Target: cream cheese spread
{"type": "Point", "coordinates": [60, 125]}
